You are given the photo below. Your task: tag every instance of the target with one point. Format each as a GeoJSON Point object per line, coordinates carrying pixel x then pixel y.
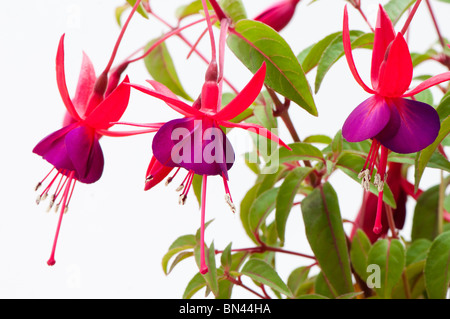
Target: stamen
{"type": "Point", "coordinates": [40, 183]}
{"type": "Point", "coordinates": [183, 196]}
{"type": "Point", "coordinates": [65, 197]}
{"type": "Point", "coordinates": [228, 197]}
{"type": "Point", "coordinates": [380, 178]}
{"type": "Point", "coordinates": [203, 266]}
{"type": "Point", "coordinates": [170, 179]}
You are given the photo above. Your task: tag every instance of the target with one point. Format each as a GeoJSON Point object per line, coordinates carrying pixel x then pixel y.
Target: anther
{"type": "Point", "coordinates": [38, 199]}
{"type": "Point", "coordinates": [179, 188]}
{"type": "Point", "coordinates": [149, 178]}
{"type": "Point", "coordinates": [37, 186]}
{"type": "Point", "coordinates": [169, 180]}
{"type": "Point", "coordinates": [230, 203]}
{"type": "Point", "coordinates": [182, 199]}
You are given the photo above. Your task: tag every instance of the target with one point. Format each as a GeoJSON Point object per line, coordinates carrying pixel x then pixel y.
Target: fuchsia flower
{"type": "Point", "coordinates": [74, 151]}
{"type": "Point", "coordinates": [196, 142]}
{"type": "Point", "coordinates": [279, 14]}
{"type": "Point", "coordinates": [392, 121]}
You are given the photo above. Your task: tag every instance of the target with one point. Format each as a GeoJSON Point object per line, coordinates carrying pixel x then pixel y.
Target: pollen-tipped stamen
{"type": "Point", "coordinates": [65, 198]}
{"type": "Point", "coordinates": [228, 197]}
{"type": "Point", "coordinates": [380, 183]}
{"type": "Point", "coordinates": [188, 179]}
{"type": "Point", "coordinates": [203, 266]}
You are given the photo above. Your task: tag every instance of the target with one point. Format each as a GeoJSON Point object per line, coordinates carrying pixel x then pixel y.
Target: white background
{"type": "Point", "coordinates": [115, 234]}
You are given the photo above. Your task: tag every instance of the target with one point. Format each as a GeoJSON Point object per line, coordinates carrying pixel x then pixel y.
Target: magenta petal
{"type": "Point", "coordinates": [367, 120]}
{"type": "Point", "coordinates": [86, 155]}
{"type": "Point", "coordinates": [193, 144]}
{"type": "Point", "coordinates": [53, 149]}
{"type": "Point", "coordinates": [419, 127]}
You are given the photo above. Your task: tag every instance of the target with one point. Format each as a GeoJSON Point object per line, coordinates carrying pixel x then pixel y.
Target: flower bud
{"type": "Point", "coordinates": [279, 14]}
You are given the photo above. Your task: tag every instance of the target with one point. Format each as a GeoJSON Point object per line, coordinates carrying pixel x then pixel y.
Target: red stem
{"type": "Point", "coordinates": [411, 15]}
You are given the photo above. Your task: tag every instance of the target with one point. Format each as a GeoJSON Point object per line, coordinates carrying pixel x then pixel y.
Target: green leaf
{"type": "Point", "coordinates": [197, 186]}
{"type": "Point", "coordinates": [325, 233]}
{"type": "Point", "coordinates": [140, 8]}
{"type": "Point", "coordinates": [336, 50]}
{"type": "Point", "coordinates": [234, 9]}
{"type": "Point", "coordinates": [396, 8]}
{"type": "Point", "coordinates": [351, 164]}
{"type": "Point", "coordinates": [297, 280]}
{"type": "Point", "coordinates": [443, 108]}
{"type": "Point", "coordinates": [417, 251]}
{"type": "Point", "coordinates": [312, 296]}
{"type": "Point", "coordinates": [190, 9]}
{"type": "Point", "coordinates": [244, 210]}
{"type": "Point", "coordinates": [415, 282]}
{"type": "Point", "coordinates": [389, 255]}
{"type": "Point", "coordinates": [437, 267]}
{"type": "Point", "coordinates": [299, 152]}
{"type": "Point", "coordinates": [319, 139]}
{"type": "Point", "coordinates": [437, 160]}
{"type": "Point", "coordinates": [425, 221]}
{"type": "Point", "coordinates": [254, 42]}
{"type": "Point", "coordinates": [260, 209]}
{"type": "Point", "coordinates": [226, 258]}
{"type": "Point", "coordinates": [262, 272]}
{"type": "Point", "coordinates": [196, 283]}
{"type": "Point", "coordinates": [323, 287]}
{"type": "Point", "coordinates": [424, 156]}
{"type": "Point", "coordinates": [211, 276]}
{"type": "Point", "coordinates": [286, 195]}
{"type": "Point", "coordinates": [119, 11]}
{"type": "Point", "coordinates": [180, 244]}
{"type": "Point", "coordinates": [160, 65]}
{"type": "Point", "coordinates": [359, 253]}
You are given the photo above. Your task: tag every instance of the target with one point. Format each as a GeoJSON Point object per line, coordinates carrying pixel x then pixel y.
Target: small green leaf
{"type": "Point", "coordinates": [261, 208]}
{"type": "Point", "coordinates": [437, 267]}
{"type": "Point", "coordinates": [389, 256]}
{"type": "Point", "coordinates": [297, 280]}
{"type": "Point", "coordinates": [226, 257]}
{"type": "Point", "coordinates": [160, 65]}
{"type": "Point", "coordinates": [196, 283]}
{"type": "Point", "coordinates": [336, 50]}
{"type": "Point", "coordinates": [319, 139]}
{"type": "Point", "coordinates": [443, 108]}
{"type": "Point", "coordinates": [211, 276]}
{"type": "Point", "coordinates": [190, 9]}
{"type": "Point", "coordinates": [325, 233]}
{"type": "Point", "coordinates": [119, 11]}
{"type": "Point", "coordinates": [425, 221]}
{"type": "Point", "coordinates": [424, 156]}
{"type": "Point", "coordinates": [286, 195]}
{"type": "Point", "coordinates": [415, 282]}
{"type": "Point", "coordinates": [234, 9]}
{"type": "Point", "coordinates": [244, 210]}
{"type": "Point", "coordinates": [396, 8]}
{"type": "Point", "coordinates": [197, 186]}
{"type": "Point", "coordinates": [417, 251]}
{"type": "Point", "coordinates": [261, 272]}
{"type": "Point", "coordinates": [312, 296]}
{"type": "Point", "coordinates": [180, 244]}
{"type": "Point", "coordinates": [140, 8]}
{"type": "Point", "coordinates": [299, 152]}
{"type": "Point", "coordinates": [359, 253]}
{"type": "Point", "coordinates": [254, 42]}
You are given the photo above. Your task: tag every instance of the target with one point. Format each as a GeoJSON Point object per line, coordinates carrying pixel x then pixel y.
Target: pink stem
{"type": "Point", "coordinates": [210, 30]}
{"type": "Point", "coordinates": [411, 15]}
{"type": "Point", "coordinates": [122, 32]}
{"type": "Point", "coordinates": [203, 266]}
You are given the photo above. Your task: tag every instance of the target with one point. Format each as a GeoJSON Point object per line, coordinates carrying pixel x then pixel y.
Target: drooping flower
{"type": "Point", "coordinates": [279, 14]}
{"type": "Point", "coordinates": [388, 117]}
{"type": "Point", "coordinates": [196, 142]}
{"type": "Point", "coordinates": [74, 150]}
